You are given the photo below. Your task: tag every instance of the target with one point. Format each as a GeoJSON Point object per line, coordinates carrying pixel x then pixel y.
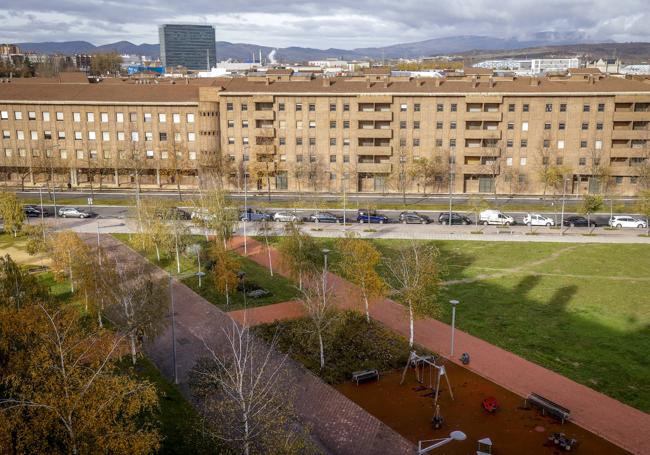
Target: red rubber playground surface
{"type": "Point", "coordinates": [598, 413]}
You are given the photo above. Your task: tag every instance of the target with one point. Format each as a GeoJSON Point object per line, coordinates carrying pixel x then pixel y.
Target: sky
{"type": "Point", "coordinates": [322, 24]}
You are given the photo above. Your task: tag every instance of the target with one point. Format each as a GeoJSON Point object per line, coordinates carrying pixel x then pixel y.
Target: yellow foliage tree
{"type": "Point", "coordinates": [224, 270]}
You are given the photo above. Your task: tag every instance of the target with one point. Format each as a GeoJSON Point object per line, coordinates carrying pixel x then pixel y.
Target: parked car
{"type": "Point", "coordinates": [254, 215]}
{"type": "Point", "coordinates": [325, 217]}
{"type": "Point", "coordinates": [413, 218]}
{"type": "Point", "coordinates": [495, 217]}
{"type": "Point", "coordinates": [289, 217]}
{"type": "Point", "coordinates": [73, 212]}
{"type": "Point", "coordinates": [535, 219]}
{"type": "Point", "coordinates": [169, 213]}
{"type": "Point", "coordinates": [365, 216]}
{"type": "Point", "coordinates": [627, 221]}
{"type": "Point", "coordinates": [32, 212]}
{"type": "Point", "coordinates": [578, 221]}
{"type": "Point", "coordinates": [456, 218]}
{"type": "Point", "coordinates": [201, 215]}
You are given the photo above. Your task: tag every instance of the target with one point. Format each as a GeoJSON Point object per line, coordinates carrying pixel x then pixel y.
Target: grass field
{"type": "Point", "coordinates": [579, 309]}
{"type": "Point", "coordinates": [282, 289]}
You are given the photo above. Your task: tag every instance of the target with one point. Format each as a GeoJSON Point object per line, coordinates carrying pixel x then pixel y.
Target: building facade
{"type": "Point", "coordinates": [377, 133]}
{"type": "Point", "coordinates": [189, 46]}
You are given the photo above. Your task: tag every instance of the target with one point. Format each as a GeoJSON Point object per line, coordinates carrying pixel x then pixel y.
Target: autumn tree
{"type": "Point", "coordinates": [414, 278]}
{"type": "Point", "coordinates": [215, 214]}
{"type": "Point", "coordinates": [643, 207]}
{"type": "Point", "coordinates": [224, 270]}
{"type": "Point", "coordinates": [18, 287]}
{"type": "Point", "coordinates": [298, 252]}
{"type": "Point", "coordinates": [105, 63]}
{"type": "Point", "coordinates": [476, 206]}
{"type": "Point", "coordinates": [590, 205]}
{"type": "Point", "coordinates": [430, 172]}
{"type": "Point", "coordinates": [358, 263]}
{"type": "Point", "coordinates": [11, 212]}
{"type": "Point", "coordinates": [70, 256]}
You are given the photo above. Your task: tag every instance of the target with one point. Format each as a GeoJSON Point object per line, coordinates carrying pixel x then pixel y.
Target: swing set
{"type": "Point", "coordinates": [423, 362]}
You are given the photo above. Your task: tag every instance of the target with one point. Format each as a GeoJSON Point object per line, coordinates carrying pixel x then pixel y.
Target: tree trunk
{"type": "Point", "coordinates": [268, 250]}
{"type": "Point", "coordinates": [157, 252]}
{"type": "Point", "coordinates": [227, 296]}
{"type": "Point", "coordinates": [365, 299]}
{"type": "Point", "coordinates": [411, 328]}
{"type": "Point", "coordinates": [99, 318]}
{"type": "Point", "coordinates": [133, 352]}
{"type": "Point", "coordinates": [322, 351]}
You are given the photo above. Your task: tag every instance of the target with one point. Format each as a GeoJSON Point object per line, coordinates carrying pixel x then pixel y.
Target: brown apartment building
{"type": "Point", "coordinates": [473, 132]}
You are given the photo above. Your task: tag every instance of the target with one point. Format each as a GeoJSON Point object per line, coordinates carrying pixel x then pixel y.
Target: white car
{"type": "Point", "coordinates": [73, 212]}
{"type": "Point", "coordinates": [287, 217]}
{"type": "Point", "coordinates": [535, 219]}
{"type": "Point", "coordinates": [495, 217]}
{"type": "Point", "coordinates": [627, 221]}
{"type": "Point", "coordinates": [201, 215]}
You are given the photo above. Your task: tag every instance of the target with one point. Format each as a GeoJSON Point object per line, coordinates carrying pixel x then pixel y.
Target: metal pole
{"type": "Point", "coordinates": [98, 232]}
{"type": "Point", "coordinates": [245, 212]}
{"type": "Point", "coordinates": [563, 200]}
{"type": "Point", "coordinates": [325, 253]}
{"type": "Point", "coordinates": [40, 193]}
{"type": "Point", "coordinates": [198, 261]}
{"type": "Point", "coordinates": [453, 324]}
{"type": "Point", "coordinates": [171, 297]}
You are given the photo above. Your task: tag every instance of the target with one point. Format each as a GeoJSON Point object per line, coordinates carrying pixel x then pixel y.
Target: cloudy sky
{"type": "Point", "coordinates": [321, 24]}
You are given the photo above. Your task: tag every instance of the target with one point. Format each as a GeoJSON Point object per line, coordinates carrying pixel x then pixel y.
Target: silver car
{"type": "Point", "coordinates": [287, 217]}
{"type": "Point", "coordinates": [73, 212]}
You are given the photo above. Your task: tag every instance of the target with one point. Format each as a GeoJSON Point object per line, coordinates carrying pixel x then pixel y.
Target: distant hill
{"type": "Point", "coordinates": [472, 46]}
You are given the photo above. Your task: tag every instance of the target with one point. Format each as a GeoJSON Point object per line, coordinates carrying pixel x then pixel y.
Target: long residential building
{"type": "Point", "coordinates": [471, 132]}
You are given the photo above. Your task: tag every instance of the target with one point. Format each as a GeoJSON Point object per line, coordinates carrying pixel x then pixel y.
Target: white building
{"type": "Point", "coordinates": [531, 67]}
{"type": "Point", "coordinates": [635, 69]}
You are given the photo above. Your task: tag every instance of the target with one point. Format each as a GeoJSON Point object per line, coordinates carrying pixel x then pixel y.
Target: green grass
{"type": "Point", "coordinates": [281, 288]}
{"type": "Point", "coordinates": [351, 344]}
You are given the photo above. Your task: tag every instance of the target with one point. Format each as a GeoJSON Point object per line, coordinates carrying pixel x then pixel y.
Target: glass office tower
{"type": "Point", "coordinates": [191, 46]}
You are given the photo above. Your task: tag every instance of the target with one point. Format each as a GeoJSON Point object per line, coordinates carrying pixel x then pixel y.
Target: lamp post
{"type": "Point", "coordinates": [453, 324]}
{"type": "Point", "coordinates": [435, 443]}
{"type": "Point", "coordinates": [171, 298]}
{"type": "Point", "coordinates": [563, 201]}
{"type": "Point", "coordinates": [325, 253]}
{"type": "Point", "coordinates": [245, 210]}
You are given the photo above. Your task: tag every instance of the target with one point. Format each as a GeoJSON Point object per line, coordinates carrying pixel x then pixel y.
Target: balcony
{"type": "Point", "coordinates": [482, 116]}
{"type": "Point", "coordinates": [375, 150]}
{"type": "Point", "coordinates": [630, 134]}
{"type": "Point", "coordinates": [627, 152]}
{"type": "Point", "coordinates": [478, 169]}
{"type": "Point", "coordinates": [631, 116]}
{"type": "Point", "coordinates": [482, 134]}
{"type": "Point", "coordinates": [374, 168]}
{"type": "Point", "coordinates": [375, 133]}
{"type": "Point", "coordinates": [266, 149]}
{"type": "Point", "coordinates": [386, 116]}
{"type": "Point", "coordinates": [265, 132]}
{"type": "Point", "coordinates": [264, 115]}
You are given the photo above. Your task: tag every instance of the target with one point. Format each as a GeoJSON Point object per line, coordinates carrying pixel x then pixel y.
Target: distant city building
{"type": "Point", "coordinates": [9, 49]}
{"type": "Point", "coordinates": [189, 46]}
{"type": "Point", "coordinates": [635, 69]}
{"type": "Point", "coordinates": [83, 61]}
{"type": "Point", "coordinates": [531, 67]}
{"type": "Point", "coordinates": [606, 65]}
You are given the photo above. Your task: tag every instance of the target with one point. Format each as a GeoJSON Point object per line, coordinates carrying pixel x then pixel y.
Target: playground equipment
{"type": "Point", "coordinates": [365, 375]}
{"type": "Point", "coordinates": [430, 444]}
{"type": "Point", "coordinates": [464, 358]}
{"type": "Point", "coordinates": [484, 447]}
{"type": "Point", "coordinates": [490, 404]}
{"type": "Point", "coordinates": [421, 362]}
{"type": "Point", "coordinates": [437, 419]}
{"type": "Point", "coordinates": [546, 406]}
{"type": "Point", "coordinates": [561, 441]}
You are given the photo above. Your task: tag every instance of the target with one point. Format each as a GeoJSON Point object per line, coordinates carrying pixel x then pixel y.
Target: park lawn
{"type": "Point", "coordinates": [282, 289]}
{"type": "Point", "coordinates": [351, 344]}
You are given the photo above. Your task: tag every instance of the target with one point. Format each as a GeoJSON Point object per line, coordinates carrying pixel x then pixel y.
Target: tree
{"type": "Point", "coordinates": [358, 263]}
{"type": "Point", "coordinates": [590, 204]}
{"type": "Point", "coordinates": [136, 301]}
{"type": "Point", "coordinates": [18, 287]}
{"type": "Point", "coordinates": [643, 207]}
{"type": "Point", "coordinates": [11, 212]}
{"type": "Point", "coordinates": [414, 274]}
{"type": "Point", "coordinates": [477, 205]}
{"type": "Point", "coordinates": [298, 252]}
{"type": "Point", "coordinates": [430, 171]}
{"type": "Point", "coordinates": [216, 214]}
{"type": "Point", "coordinates": [224, 270]}
{"type": "Point", "coordinates": [109, 63]}
{"type": "Point", "coordinates": [70, 256]}
{"type": "Point", "coordinates": [245, 395]}
{"type": "Point", "coordinates": [266, 227]}
{"type": "Point", "coordinates": [152, 217]}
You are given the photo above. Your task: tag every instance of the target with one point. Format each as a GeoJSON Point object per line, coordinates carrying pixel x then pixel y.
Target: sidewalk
{"type": "Point", "coordinates": [598, 413]}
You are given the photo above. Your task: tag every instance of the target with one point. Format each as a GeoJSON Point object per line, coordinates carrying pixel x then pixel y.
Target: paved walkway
{"type": "Point", "coordinates": [598, 413]}
{"type": "Point", "coordinates": [337, 425]}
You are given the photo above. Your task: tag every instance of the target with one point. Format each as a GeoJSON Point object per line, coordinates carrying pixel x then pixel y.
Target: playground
{"type": "Point", "coordinates": [479, 408]}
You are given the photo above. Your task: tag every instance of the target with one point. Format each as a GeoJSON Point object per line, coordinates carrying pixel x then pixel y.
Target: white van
{"type": "Point", "coordinates": [495, 217]}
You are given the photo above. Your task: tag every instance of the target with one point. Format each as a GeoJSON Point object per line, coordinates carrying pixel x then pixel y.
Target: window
{"type": "Point", "coordinates": [22, 152]}
{"type": "Point", "coordinates": [333, 124]}
{"type": "Point", "coordinates": [106, 136]}
{"type": "Point", "coordinates": [190, 118]}
{"type": "Point", "coordinates": [244, 107]}
{"type": "Point", "coordinates": [509, 161]}
{"type": "Point", "coordinates": [346, 158]}
{"type": "Point", "coordinates": [298, 107]}
{"type": "Point", "coordinates": [107, 154]}
{"type": "Point", "coordinates": [416, 142]}
{"type": "Point", "coordinates": [244, 140]}
{"type": "Point", "coordinates": [510, 143]}
{"type": "Point", "coordinates": [332, 158]}
{"type": "Point", "coordinates": [598, 145]}
{"type": "Point", "coordinates": [31, 115]}
{"type": "Point", "coordinates": [133, 117]}
{"type": "Point", "coordinates": [438, 142]}
{"type": "Point", "coordinates": [80, 154]}
{"type": "Point", "coordinates": [299, 124]}
{"type": "Point", "coordinates": [562, 126]}
{"type": "Point", "coordinates": [6, 134]}
{"type": "Point", "coordinates": [78, 136]}
{"type": "Point", "coordinates": [403, 107]}
{"type": "Point", "coordinates": [332, 107]}
{"type": "Point", "coordinates": [176, 118]}
{"type": "Point", "coordinates": [452, 125]}
{"type": "Point", "coordinates": [599, 126]}
{"type": "Point", "coordinates": [92, 135]}
{"type": "Point", "coordinates": [332, 141]}
{"type": "Point", "coordinates": [283, 124]}
{"type": "Point", "coordinates": [298, 141]}
{"type": "Point", "coordinates": [546, 143]}
{"type": "Point", "coordinates": [416, 107]}
{"type": "Point", "coordinates": [283, 140]}
{"type": "Point", "coordinates": [454, 107]}
{"type": "Point", "coordinates": [586, 108]}
{"type": "Point", "coordinates": [346, 107]}
{"type": "Point", "coordinates": [162, 117]}
{"type": "Point", "coordinates": [245, 157]}
{"type": "Point", "coordinates": [46, 116]}
{"type": "Point", "coordinates": [524, 126]}
{"type": "Point", "coordinates": [545, 160]}
{"type": "Point", "coordinates": [438, 125]}
{"type": "Point", "coordinates": [8, 153]}
{"type": "Point", "coordinates": [34, 135]}
{"type": "Point", "coordinates": [585, 126]}
{"type": "Point", "coordinates": [135, 136]}
{"type": "Point", "coordinates": [231, 123]}
{"type": "Point", "coordinates": [281, 107]}
{"type": "Point", "coordinates": [4, 115]}
{"type": "Point", "coordinates": [511, 107]}
{"type": "Point", "coordinates": [402, 142]}
{"type": "Point", "coordinates": [119, 117]}
{"type": "Point", "coordinates": [523, 143]}
{"type": "Point", "coordinates": [547, 126]}
{"type": "Point", "coordinates": [20, 135]}
{"type": "Point", "coordinates": [192, 155]}
{"type": "Point", "coordinates": [120, 135]}
{"type": "Point", "coordinates": [312, 141]}
{"type": "Point", "coordinates": [416, 125]}
{"type": "Point", "coordinates": [149, 154]}
{"type": "Point", "coordinates": [583, 144]}
{"type": "Point", "coordinates": [76, 117]}
{"type": "Point", "coordinates": [439, 107]}
{"type": "Point", "coordinates": [244, 124]}
{"type": "Point", "coordinates": [402, 125]}
{"type": "Point", "coordinates": [298, 158]}
{"type": "Point", "coordinates": [601, 107]}
{"type": "Point", "coordinates": [559, 160]}
{"type": "Point", "coordinates": [61, 134]}
{"type": "Point", "coordinates": [582, 161]}
{"type": "Point", "coordinates": [560, 145]}
{"type": "Point", "coordinates": [549, 107]}
{"type": "Point", "coordinates": [633, 180]}
{"type": "Point", "coordinates": [90, 117]}
{"type": "Point", "coordinates": [511, 126]}
{"type": "Point", "coordinates": [312, 124]}
{"type": "Point", "coordinates": [618, 179]}
{"type": "Point", "coordinates": [346, 124]}
{"type": "Point", "coordinates": [312, 108]}
{"type": "Point", "coordinates": [563, 107]}
{"type": "Point", "coordinates": [596, 161]}
{"type": "Point", "coordinates": [525, 108]}
{"type": "Point", "coordinates": [346, 143]}
{"type": "Point", "coordinates": [162, 137]}
{"type": "Point", "coordinates": [191, 137]}
{"type": "Point", "coordinates": [229, 107]}
{"type": "Point", "coordinates": [522, 161]}
{"type": "Point", "coordinates": [148, 136]}
{"type": "Point", "coordinates": [231, 140]}
{"type": "Point", "coordinates": [452, 142]}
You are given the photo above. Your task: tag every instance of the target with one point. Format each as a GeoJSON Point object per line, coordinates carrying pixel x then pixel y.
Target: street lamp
{"type": "Point", "coordinates": [325, 253]}
{"type": "Point", "coordinates": [171, 298]}
{"type": "Point", "coordinates": [455, 435]}
{"type": "Point", "coordinates": [563, 200]}
{"type": "Point", "coordinates": [453, 324]}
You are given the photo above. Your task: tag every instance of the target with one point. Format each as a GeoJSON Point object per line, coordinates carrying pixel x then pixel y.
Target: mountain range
{"type": "Point", "coordinates": [469, 44]}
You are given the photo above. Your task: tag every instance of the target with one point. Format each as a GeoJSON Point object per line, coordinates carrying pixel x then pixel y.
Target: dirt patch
{"type": "Point", "coordinates": [21, 257]}
{"type": "Point", "coordinates": [513, 428]}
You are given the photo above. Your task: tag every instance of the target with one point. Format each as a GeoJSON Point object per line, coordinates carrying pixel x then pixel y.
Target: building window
{"type": "Point", "coordinates": [281, 107]}
{"type": "Point", "coordinates": [244, 140]}
{"type": "Point", "coordinates": [438, 142]}
{"type": "Point", "coordinates": [549, 107]}
{"type": "Point", "coordinates": [403, 107]}
{"type": "Point", "coordinates": [149, 154]}
{"type": "Point", "coordinates": [438, 125]}
{"type": "Point", "coordinates": [524, 126]}
{"type": "Point", "coordinates": [452, 143]}
{"type": "Point", "coordinates": [176, 118]}
{"type": "Point", "coordinates": [312, 124]}
{"type": "Point", "coordinates": [61, 134]}
{"type": "Point", "coordinates": [346, 143]}
{"type": "Point", "coordinates": [402, 142]}
{"type": "Point", "coordinates": [509, 161]}
{"type": "Point", "coordinates": [6, 134]}
{"type": "Point", "coordinates": [34, 135]}
{"type": "Point", "coordinates": [452, 125]}
{"type": "Point", "coordinates": [298, 107]}
{"type": "Point", "coordinates": [585, 126]}
{"type": "Point", "coordinates": [545, 160]}
{"type": "Point", "coordinates": [333, 124]}
{"type": "Point", "coordinates": [312, 108]}
{"type": "Point", "coordinates": [76, 117]}
{"type": "Point", "coordinates": [120, 135]}
{"type": "Point", "coordinates": [59, 116]}
{"type": "Point", "coordinates": [191, 137]}
{"type": "Point", "coordinates": [523, 143]}
{"type": "Point", "coordinates": [563, 107]}
{"type": "Point", "coordinates": [4, 115]}
{"type": "Point", "coordinates": [298, 141]}
{"type": "Point", "coordinates": [416, 107]}
{"type": "Point", "coordinates": [599, 126]}
{"type": "Point", "coordinates": [31, 115]}
{"type": "Point", "coordinates": [634, 180]}
{"type": "Point", "coordinates": [162, 137]}
{"type": "Point", "coordinates": [546, 143]}
{"type": "Point", "coordinates": [46, 116]}
{"type": "Point", "coordinates": [601, 107]}
{"type": "Point", "coordinates": [298, 158]}
{"type": "Point", "coordinates": [346, 107]}
{"type": "Point", "coordinates": [162, 117]}
{"type": "Point", "coordinates": [231, 123]}
{"type": "Point", "coordinates": [510, 143]}
{"type": "Point", "coordinates": [439, 107]}
{"type": "Point", "coordinates": [346, 124]}
{"type": "Point", "coordinates": [586, 108]}
{"type": "Point", "coordinates": [583, 144]}
{"type": "Point", "coordinates": [416, 142]}
{"type": "Point", "coordinates": [560, 145]}
{"type": "Point", "coordinates": [598, 145]}
{"type": "Point", "coordinates": [562, 126]}
{"type": "Point", "coordinates": [190, 118]}
{"type": "Point", "coordinates": [346, 158]}
{"type": "Point", "coordinates": [522, 161]}
{"type": "Point", "coordinates": [332, 107]}
{"type": "Point", "coordinates": [299, 124]}
{"type": "Point", "coordinates": [511, 107]}
{"type": "Point", "coordinates": [402, 125]}
{"type": "Point", "coordinates": [312, 141]}
{"type": "Point", "coordinates": [511, 126]}
{"type": "Point", "coordinates": [283, 141]}
{"type": "Point", "coordinates": [80, 154]}
{"type": "Point", "coordinates": [231, 140]}
{"type": "Point", "coordinates": [582, 161]}
{"type": "Point", "coordinates": [148, 136]}
{"type": "Point", "coordinates": [229, 107]}
{"type": "Point", "coordinates": [244, 107]}
{"type": "Point", "coordinates": [92, 136]}
{"type": "Point", "coordinates": [332, 141]}
{"type": "Point", "coordinates": [547, 126]}
{"type": "Point", "coordinates": [416, 125]}
{"type": "Point", "coordinates": [103, 117]}
{"type": "Point", "coordinates": [119, 117]}
{"type": "Point", "coordinates": [283, 124]}
{"type": "Point", "coordinates": [90, 117]}
{"type": "Point", "coordinates": [525, 108]}
{"type": "Point", "coordinates": [78, 136]}
{"type": "Point", "coordinates": [454, 107]}
{"type": "Point", "coordinates": [106, 136]}
{"type": "Point", "coordinates": [332, 158]}
{"type": "Point", "coordinates": [559, 161]}
{"type": "Point", "coordinates": [133, 117]}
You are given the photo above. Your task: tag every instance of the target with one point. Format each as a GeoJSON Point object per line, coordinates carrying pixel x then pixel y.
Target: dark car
{"type": "Point", "coordinates": [456, 218]}
{"type": "Point", "coordinates": [413, 218]}
{"type": "Point", "coordinates": [325, 217]}
{"type": "Point", "coordinates": [365, 216]}
{"type": "Point", "coordinates": [172, 213]}
{"type": "Point", "coordinates": [578, 221]}
{"type": "Point", "coordinates": [254, 215]}
{"type": "Point", "coordinates": [33, 212]}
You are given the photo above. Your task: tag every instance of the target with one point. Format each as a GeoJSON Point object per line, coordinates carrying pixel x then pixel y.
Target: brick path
{"type": "Point", "coordinates": [337, 425]}
{"type": "Point", "coordinates": [269, 313]}
{"type": "Point", "coordinates": [598, 413]}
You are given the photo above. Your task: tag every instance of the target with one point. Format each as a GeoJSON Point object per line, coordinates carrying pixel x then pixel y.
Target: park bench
{"type": "Point", "coordinates": [546, 406]}
{"type": "Point", "coordinates": [505, 230]}
{"type": "Point", "coordinates": [365, 375]}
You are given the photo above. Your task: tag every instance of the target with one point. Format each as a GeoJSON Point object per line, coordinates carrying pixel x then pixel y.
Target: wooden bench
{"type": "Point", "coordinates": [365, 375]}
{"type": "Point", "coordinates": [546, 406]}
{"type": "Point", "coordinates": [505, 230]}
